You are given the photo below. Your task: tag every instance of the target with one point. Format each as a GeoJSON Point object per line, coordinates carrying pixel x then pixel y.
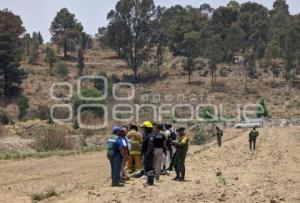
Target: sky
{"type": "Point", "coordinates": [38, 14]}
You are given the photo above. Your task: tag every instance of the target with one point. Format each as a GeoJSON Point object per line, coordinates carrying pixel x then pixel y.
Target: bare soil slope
{"type": "Point", "coordinates": [270, 173]}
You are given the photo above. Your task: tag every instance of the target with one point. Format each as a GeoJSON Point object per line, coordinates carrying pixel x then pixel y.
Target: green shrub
{"type": "Point", "coordinates": [34, 54]}
{"type": "Point", "coordinates": [23, 105]}
{"type": "Point", "coordinates": [265, 112]}
{"type": "Point", "coordinates": [114, 78]}
{"type": "Point", "coordinates": [198, 139]}
{"type": "Point", "coordinates": [43, 196]}
{"type": "Point", "coordinates": [3, 117]}
{"type": "Point", "coordinates": [43, 112]}
{"type": "Point", "coordinates": [88, 93]}
{"type": "Point", "coordinates": [223, 72]}
{"type": "Point", "coordinates": [111, 80]}
{"type": "Point", "coordinates": [61, 69]}
{"type": "Point", "coordinates": [208, 112]}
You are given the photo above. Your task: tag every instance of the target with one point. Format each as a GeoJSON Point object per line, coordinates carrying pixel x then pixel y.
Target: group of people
{"type": "Point", "coordinates": [146, 150]}
{"type": "Point", "coordinates": [136, 151]}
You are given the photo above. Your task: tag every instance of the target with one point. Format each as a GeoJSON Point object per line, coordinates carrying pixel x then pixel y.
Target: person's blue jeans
{"type": "Point", "coordinates": [115, 163]}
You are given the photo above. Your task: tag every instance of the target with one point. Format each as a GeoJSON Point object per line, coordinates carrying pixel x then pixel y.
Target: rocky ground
{"type": "Point", "coordinates": [228, 174]}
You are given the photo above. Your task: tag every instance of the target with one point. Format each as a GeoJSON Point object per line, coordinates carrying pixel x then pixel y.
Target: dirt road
{"type": "Point", "coordinates": [272, 172]}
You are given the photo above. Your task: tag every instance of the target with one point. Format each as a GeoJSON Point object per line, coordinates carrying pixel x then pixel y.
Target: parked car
{"type": "Point", "coordinates": [250, 124]}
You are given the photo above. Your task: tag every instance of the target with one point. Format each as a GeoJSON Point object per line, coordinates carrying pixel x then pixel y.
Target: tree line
{"type": "Point", "coordinates": [138, 29]}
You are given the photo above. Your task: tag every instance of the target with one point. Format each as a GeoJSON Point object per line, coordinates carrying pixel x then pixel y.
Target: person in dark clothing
{"type": "Point", "coordinates": [159, 141]}
{"type": "Point", "coordinates": [252, 138]}
{"type": "Point", "coordinates": [219, 134]}
{"type": "Point", "coordinates": [182, 146]}
{"type": "Point", "coordinates": [148, 152]}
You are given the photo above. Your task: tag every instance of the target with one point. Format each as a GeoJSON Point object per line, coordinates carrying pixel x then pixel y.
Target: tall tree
{"type": "Point", "coordinates": [27, 42]}
{"type": "Point", "coordinates": [40, 38]}
{"type": "Point", "coordinates": [235, 39]}
{"type": "Point", "coordinates": [10, 52]}
{"type": "Point", "coordinates": [222, 19]}
{"type": "Point", "coordinates": [159, 58]}
{"type": "Point", "coordinates": [215, 50]}
{"type": "Point", "coordinates": [254, 20]}
{"type": "Point", "coordinates": [65, 30]}
{"type": "Point", "coordinates": [191, 49]}
{"type": "Point", "coordinates": [273, 52]}
{"type": "Point", "coordinates": [280, 22]}
{"type": "Point", "coordinates": [249, 65]}
{"type": "Point", "coordinates": [292, 47]}
{"type": "Point", "coordinates": [34, 53]}
{"type": "Point", "coordinates": [50, 58]}
{"type": "Point", "coordinates": [130, 31]}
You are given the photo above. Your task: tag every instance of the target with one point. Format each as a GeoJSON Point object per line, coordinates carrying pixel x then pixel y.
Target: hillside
{"type": "Point", "coordinates": [281, 98]}
{"type": "Point", "coordinates": [270, 174]}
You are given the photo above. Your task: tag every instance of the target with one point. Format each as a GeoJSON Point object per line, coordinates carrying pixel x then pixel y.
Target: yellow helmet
{"type": "Point", "coordinates": [147, 124]}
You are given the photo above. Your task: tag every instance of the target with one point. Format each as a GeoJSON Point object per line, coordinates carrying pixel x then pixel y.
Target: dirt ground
{"type": "Point", "coordinates": [270, 174]}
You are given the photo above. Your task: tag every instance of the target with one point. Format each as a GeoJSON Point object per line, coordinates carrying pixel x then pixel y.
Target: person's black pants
{"type": "Point", "coordinates": [149, 169]}
{"type": "Point", "coordinates": [171, 157]}
{"type": "Point", "coordinates": [252, 142]}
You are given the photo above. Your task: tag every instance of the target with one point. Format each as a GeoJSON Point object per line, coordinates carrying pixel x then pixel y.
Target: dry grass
{"type": "Point", "coordinates": [231, 89]}
{"type": "Point", "coordinates": [2, 132]}
{"type": "Point", "coordinates": [53, 139]}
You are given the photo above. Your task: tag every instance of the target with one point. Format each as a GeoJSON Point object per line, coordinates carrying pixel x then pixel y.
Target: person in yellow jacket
{"type": "Point", "coordinates": [134, 158]}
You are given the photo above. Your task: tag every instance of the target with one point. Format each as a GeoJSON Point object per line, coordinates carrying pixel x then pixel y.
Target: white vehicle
{"type": "Point", "coordinates": [249, 124]}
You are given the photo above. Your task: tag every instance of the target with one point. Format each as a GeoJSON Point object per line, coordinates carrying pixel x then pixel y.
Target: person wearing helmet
{"type": "Point", "coordinates": [181, 145]}
{"type": "Point", "coordinates": [135, 151]}
{"type": "Point", "coordinates": [148, 151]}
{"type": "Point", "coordinates": [114, 157]}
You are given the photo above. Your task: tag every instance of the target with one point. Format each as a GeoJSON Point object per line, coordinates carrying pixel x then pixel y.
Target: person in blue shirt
{"type": "Point", "coordinates": [114, 154]}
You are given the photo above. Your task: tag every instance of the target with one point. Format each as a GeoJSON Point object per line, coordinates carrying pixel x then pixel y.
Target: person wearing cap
{"type": "Point", "coordinates": [114, 156]}
{"type": "Point", "coordinates": [159, 142]}
{"type": "Point", "coordinates": [136, 140]}
{"type": "Point", "coordinates": [148, 152]}
{"type": "Point", "coordinates": [181, 145]}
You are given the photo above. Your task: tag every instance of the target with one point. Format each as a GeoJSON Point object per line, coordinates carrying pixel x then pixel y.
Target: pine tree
{"type": "Point", "coordinates": [10, 52]}
{"type": "Point", "coordinates": [66, 30]}
{"type": "Point", "coordinates": [50, 58]}
{"type": "Point", "coordinates": [40, 38]}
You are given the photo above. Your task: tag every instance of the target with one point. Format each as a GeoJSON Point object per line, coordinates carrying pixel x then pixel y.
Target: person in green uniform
{"type": "Point", "coordinates": [252, 138]}
{"type": "Point", "coordinates": [181, 145]}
